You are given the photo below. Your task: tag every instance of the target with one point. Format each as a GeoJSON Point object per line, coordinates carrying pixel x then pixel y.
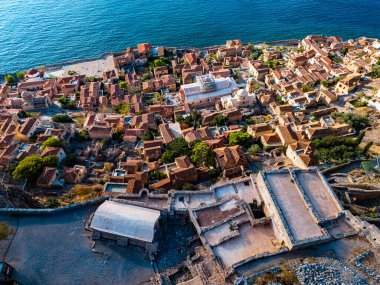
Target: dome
{"type": "Point", "coordinates": [242, 93]}
{"type": "Point", "coordinates": [230, 105]}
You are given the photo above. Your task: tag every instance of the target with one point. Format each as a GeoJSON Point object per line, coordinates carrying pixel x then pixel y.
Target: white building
{"type": "Point", "coordinates": [207, 88]}
{"type": "Point", "coordinates": [240, 99]}
{"type": "Point", "coordinates": [126, 223]}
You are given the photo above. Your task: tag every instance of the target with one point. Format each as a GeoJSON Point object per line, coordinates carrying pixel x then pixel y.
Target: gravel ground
{"type": "Point", "coordinates": [330, 272]}
{"type": "Point", "coordinates": [57, 250]}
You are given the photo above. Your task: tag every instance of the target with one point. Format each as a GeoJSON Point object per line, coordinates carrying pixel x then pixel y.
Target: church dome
{"type": "Point", "coordinates": [242, 93]}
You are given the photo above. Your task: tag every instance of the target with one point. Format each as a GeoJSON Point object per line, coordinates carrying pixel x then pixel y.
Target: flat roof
{"type": "Point", "coordinates": [245, 190]}
{"type": "Point", "coordinates": [224, 86]}
{"type": "Point", "coordinates": [252, 241]}
{"type": "Point", "coordinates": [207, 217]}
{"type": "Point", "coordinates": [296, 214]}
{"type": "Point", "coordinates": [319, 194]}
{"type": "Point", "coordinates": [126, 220]}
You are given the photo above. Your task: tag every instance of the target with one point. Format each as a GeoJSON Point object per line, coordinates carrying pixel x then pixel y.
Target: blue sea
{"type": "Point", "coordinates": [39, 32]}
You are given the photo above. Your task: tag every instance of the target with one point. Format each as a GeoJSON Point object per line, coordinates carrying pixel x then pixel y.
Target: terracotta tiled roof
{"type": "Point", "coordinates": [231, 157]}
{"type": "Point", "coordinates": [51, 150]}
{"type": "Point", "coordinates": [286, 134]}
{"type": "Point", "coordinates": [70, 174]}
{"type": "Point", "coordinates": [27, 125]}
{"type": "Point", "coordinates": [47, 176]}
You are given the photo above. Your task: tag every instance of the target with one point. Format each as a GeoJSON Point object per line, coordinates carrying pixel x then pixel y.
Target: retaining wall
{"type": "Point", "coordinates": [46, 212]}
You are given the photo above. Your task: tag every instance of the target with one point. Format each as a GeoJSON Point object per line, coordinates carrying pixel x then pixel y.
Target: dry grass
{"type": "Point", "coordinates": [5, 231]}
{"type": "Point", "coordinates": [79, 121]}
{"type": "Point", "coordinates": [286, 276]}
{"type": "Point", "coordinates": [363, 111]}
{"type": "Point", "coordinates": [106, 168]}
{"type": "Point", "coordinates": [375, 149]}
{"type": "Point", "coordinates": [81, 193]}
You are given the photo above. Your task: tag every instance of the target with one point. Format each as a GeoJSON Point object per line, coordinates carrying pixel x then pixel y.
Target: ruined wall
{"type": "Point", "coordinates": [43, 212]}
{"type": "Point", "coordinates": [281, 231]}
{"type": "Point", "coordinates": [369, 231]}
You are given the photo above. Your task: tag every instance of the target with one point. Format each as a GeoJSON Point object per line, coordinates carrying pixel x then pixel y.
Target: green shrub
{"type": "Point", "coordinates": [62, 118]}
{"type": "Point", "coordinates": [31, 166]}
{"type": "Point", "coordinates": [52, 141]}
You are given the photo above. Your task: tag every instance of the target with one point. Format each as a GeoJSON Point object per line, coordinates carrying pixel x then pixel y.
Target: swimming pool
{"type": "Point", "coordinates": [116, 187]}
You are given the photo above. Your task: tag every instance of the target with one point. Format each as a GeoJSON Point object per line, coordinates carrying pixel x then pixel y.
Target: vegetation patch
{"type": "Point", "coordinates": [5, 231]}
{"type": "Point", "coordinates": [286, 276]}
{"type": "Point", "coordinates": [61, 118]}
{"type": "Point", "coordinates": [357, 122]}
{"type": "Point", "coordinates": [80, 193]}
{"type": "Point", "coordinates": [338, 149]}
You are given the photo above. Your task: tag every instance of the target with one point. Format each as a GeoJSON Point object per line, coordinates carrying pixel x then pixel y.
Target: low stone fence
{"type": "Point", "coordinates": [340, 166]}
{"type": "Point", "coordinates": [249, 279]}
{"type": "Point", "coordinates": [47, 212]}
{"type": "Point", "coordinates": [358, 262]}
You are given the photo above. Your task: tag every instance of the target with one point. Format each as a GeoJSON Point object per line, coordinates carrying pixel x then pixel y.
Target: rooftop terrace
{"type": "Point", "coordinates": [319, 194]}
{"type": "Point", "coordinates": [290, 200]}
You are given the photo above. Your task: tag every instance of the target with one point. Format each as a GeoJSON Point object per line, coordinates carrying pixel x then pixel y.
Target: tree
{"type": "Point", "coordinates": [188, 186]}
{"type": "Point", "coordinates": [50, 161]}
{"type": "Point", "coordinates": [159, 97]}
{"type": "Point", "coordinates": [337, 148]}
{"type": "Point", "coordinates": [254, 149]}
{"type": "Point", "coordinates": [118, 134]}
{"type": "Point", "coordinates": [176, 148]}
{"type": "Point", "coordinates": [52, 141]}
{"type": "Point", "coordinates": [168, 156]}
{"type": "Point", "coordinates": [240, 138]}
{"type": "Point", "coordinates": [280, 100]}
{"type": "Point", "coordinates": [123, 85]}
{"type": "Point", "coordinates": [9, 79]}
{"type": "Point", "coordinates": [20, 75]}
{"type": "Point", "coordinates": [156, 175]}
{"type": "Point", "coordinates": [344, 51]}
{"type": "Point", "coordinates": [122, 108]}
{"type": "Point", "coordinates": [307, 88]}
{"type": "Point", "coordinates": [192, 119]}
{"type": "Point", "coordinates": [31, 166]}
{"type": "Point", "coordinates": [360, 103]}
{"type": "Point", "coordinates": [376, 71]}
{"type": "Point", "coordinates": [335, 58]}
{"type": "Point", "coordinates": [66, 103]}
{"type": "Point", "coordinates": [158, 62]}
{"type": "Point", "coordinates": [148, 135]}
{"type": "Point", "coordinates": [272, 63]}
{"type": "Point", "coordinates": [202, 155]}
{"type": "Point", "coordinates": [219, 120]}
{"type": "Point", "coordinates": [62, 118]}
{"type": "Point", "coordinates": [70, 160]}
{"type": "Point", "coordinates": [145, 76]}
{"type": "Point", "coordinates": [91, 79]}
{"type": "Point", "coordinates": [22, 114]}
{"type": "Point", "coordinates": [355, 121]}
{"type": "Point", "coordinates": [83, 136]}
{"type": "Point", "coordinates": [52, 203]}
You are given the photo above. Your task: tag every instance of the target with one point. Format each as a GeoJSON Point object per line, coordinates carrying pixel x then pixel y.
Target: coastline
{"type": "Point", "coordinates": [286, 42]}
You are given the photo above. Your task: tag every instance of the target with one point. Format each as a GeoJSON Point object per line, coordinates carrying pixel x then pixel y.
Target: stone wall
{"type": "Point", "coordinates": [369, 231]}
{"type": "Point", "coordinates": [280, 225]}
{"type": "Point", "coordinates": [46, 212]}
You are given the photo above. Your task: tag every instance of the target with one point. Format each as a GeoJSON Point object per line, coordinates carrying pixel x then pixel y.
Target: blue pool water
{"type": "Point", "coordinates": [37, 32]}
